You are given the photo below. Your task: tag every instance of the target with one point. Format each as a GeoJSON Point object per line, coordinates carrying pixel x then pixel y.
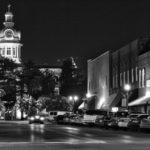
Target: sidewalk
{"type": "Point", "coordinates": [20, 122]}
{"type": "Point", "coordinates": [14, 121]}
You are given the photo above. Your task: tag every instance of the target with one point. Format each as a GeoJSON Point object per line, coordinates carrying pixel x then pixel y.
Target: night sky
{"type": "Point", "coordinates": [55, 29]}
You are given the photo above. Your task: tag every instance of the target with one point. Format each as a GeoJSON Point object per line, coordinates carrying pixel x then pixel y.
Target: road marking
{"type": "Point", "coordinates": [64, 142]}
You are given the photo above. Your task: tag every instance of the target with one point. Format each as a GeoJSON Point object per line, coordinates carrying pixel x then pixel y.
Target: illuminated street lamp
{"type": "Point", "coordinates": [88, 95]}
{"type": "Point", "coordinates": [73, 99]}
{"type": "Point", "coordinates": [70, 98]}
{"type": "Point", "coordinates": [127, 88]}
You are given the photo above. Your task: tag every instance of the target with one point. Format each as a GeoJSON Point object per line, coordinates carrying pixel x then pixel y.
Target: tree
{"type": "Point", "coordinates": [68, 78]}
{"type": "Point", "coordinates": [48, 82]}
{"type": "Point", "coordinates": [57, 103]}
{"type": "Point", "coordinates": [8, 82]}
{"type": "Point", "coordinates": [72, 79]}
{"type": "Point", "coordinates": [37, 84]}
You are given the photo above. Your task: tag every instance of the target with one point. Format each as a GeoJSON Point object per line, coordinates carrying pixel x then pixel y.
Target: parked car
{"type": "Point", "coordinates": [59, 119]}
{"type": "Point", "coordinates": [53, 114]}
{"type": "Point", "coordinates": [123, 123]}
{"type": "Point", "coordinates": [36, 119]}
{"type": "Point", "coordinates": [102, 121]}
{"type": "Point", "coordinates": [79, 120]}
{"type": "Point", "coordinates": [134, 123]}
{"type": "Point", "coordinates": [1, 117]}
{"type": "Point", "coordinates": [113, 123]}
{"type": "Point", "coordinates": [91, 116]}
{"type": "Point", "coordinates": [145, 124]}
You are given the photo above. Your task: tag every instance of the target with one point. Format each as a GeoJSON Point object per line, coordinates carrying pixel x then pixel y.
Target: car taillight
{"type": "Point", "coordinates": [42, 118]}
{"type": "Point", "coordinates": [32, 118]}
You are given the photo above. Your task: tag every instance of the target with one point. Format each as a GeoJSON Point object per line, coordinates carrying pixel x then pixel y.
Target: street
{"type": "Point", "coordinates": [18, 135]}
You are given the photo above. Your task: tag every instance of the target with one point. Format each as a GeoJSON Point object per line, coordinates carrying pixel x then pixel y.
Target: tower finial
{"type": "Point", "coordinates": [9, 7]}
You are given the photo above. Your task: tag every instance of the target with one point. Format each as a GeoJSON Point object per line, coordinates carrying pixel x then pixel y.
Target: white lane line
{"type": "Point", "coordinates": [64, 142]}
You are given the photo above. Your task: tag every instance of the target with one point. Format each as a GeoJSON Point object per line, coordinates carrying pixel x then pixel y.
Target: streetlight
{"type": "Point", "coordinates": [127, 88]}
{"type": "Point", "coordinates": [88, 95]}
{"type": "Point", "coordinates": [74, 99]}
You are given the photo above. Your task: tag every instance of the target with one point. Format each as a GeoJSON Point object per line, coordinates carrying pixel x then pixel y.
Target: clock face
{"type": "Point", "coordinates": [9, 34]}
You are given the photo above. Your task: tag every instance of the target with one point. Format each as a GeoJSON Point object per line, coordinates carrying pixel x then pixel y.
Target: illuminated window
{"type": "Point", "coordinates": [139, 78]}
{"type": "Point", "coordinates": [132, 75]}
{"type": "Point", "coordinates": [136, 73]}
{"type": "Point", "coordinates": [143, 77]}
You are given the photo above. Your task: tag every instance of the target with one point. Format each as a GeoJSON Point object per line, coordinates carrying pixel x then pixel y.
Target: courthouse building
{"type": "Point", "coordinates": [10, 46]}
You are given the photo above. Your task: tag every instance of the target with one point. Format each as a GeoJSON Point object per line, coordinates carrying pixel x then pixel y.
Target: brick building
{"type": "Point", "coordinates": [127, 65]}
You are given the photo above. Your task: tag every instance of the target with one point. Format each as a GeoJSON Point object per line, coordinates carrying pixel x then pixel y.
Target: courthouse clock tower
{"type": "Point", "coordinates": [10, 46]}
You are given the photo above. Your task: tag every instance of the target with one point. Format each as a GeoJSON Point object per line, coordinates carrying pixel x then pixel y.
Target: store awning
{"type": "Point", "coordinates": [139, 101]}
{"type": "Point", "coordinates": [111, 98]}
{"type": "Point", "coordinates": [115, 99]}
{"type": "Point", "coordinates": [81, 106]}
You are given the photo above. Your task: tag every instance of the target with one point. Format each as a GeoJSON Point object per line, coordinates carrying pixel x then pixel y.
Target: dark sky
{"type": "Point", "coordinates": [56, 29]}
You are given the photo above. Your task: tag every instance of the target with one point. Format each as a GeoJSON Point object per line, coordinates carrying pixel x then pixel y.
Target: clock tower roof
{"type": "Point", "coordinates": [8, 18]}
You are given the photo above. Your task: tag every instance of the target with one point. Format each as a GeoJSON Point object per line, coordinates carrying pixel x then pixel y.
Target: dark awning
{"type": "Point", "coordinates": [116, 99]}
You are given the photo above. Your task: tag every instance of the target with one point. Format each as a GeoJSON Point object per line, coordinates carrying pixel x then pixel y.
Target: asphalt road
{"type": "Point", "coordinates": [22, 136]}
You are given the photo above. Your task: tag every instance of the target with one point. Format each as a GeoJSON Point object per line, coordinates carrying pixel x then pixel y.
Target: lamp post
{"type": "Point", "coordinates": [73, 99]}
{"type": "Point", "coordinates": [127, 88]}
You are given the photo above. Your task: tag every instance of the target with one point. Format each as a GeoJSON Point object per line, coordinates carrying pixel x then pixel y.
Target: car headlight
{"type": "Point", "coordinates": [42, 118]}
{"type": "Point", "coordinates": [32, 118]}
{"type": "Point", "coordinates": [37, 117]}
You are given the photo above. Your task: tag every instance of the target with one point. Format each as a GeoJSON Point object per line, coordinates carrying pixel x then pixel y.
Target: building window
{"type": "Point", "coordinates": [3, 51]}
{"type": "Point", "coordinates": [136, 73]}
{"type": "Point", "coordinates": [139, 78]}
{"type": "Point", "coordinates": [132, 75]}
{"type": "Point", "coordinates": [124, 77]}
{"type": "Point", "coordinates": [128, 76]}
{"type": "Point", "coordinates": [8, 51]}
{"type": "Point", "coordinates": [116, 80]}
{"type": "Point", "coordinates": [113, 81]}
{"type": "Point", "coordinates": [120, 79]}
{"type": "Point", "coordinates": [143, 77]}
{"type": "Point", "coordinates": [14, 52]}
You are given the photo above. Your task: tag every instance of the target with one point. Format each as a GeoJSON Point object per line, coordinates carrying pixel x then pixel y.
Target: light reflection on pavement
{"type": "Point", "coordinates": [61, 135]}
{"type": "Point", "coordinates": [36, 134]}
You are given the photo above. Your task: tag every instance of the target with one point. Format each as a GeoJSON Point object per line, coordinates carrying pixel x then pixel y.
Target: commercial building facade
{"type": "Point", "coordinates": [128, 65]}
{"type": "Point", "coordinates": [98, 81]}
